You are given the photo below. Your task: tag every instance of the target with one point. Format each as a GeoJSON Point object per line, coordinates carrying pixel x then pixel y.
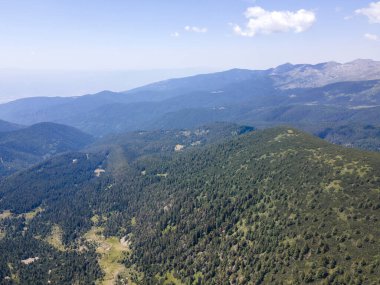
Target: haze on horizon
{"type": "Point", "coordinates": [96, 45]}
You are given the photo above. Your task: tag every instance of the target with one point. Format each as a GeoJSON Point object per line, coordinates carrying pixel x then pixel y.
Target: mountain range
{"type": "Point", "coordinates": [237, 177]}
{"type": "Point", "coordinates": [304, 96]}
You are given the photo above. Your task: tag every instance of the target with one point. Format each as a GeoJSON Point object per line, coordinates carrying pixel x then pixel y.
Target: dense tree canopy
{"type": "Point", "coordinates": [268, 207]}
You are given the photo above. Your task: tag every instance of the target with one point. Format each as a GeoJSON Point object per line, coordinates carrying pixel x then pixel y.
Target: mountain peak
{"type": "Point", "coordinates": [361, 61]}
{"type": "Point", "coordinates": [283, 67]}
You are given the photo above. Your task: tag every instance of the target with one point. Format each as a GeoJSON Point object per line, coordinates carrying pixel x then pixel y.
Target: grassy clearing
{"type": "Point", "coordinates": [334, 185]}
{"type": "Point", "coordinates": [2, 234]}
{"type": "Point", "coordinates": [278, 155]}
{"type": "Point", "coordinates": [343, 166]}
{"type": "Point", "coordinates": [282, 136]}
{"type": "Point", "coordinates": [169, 279]}
{"type": "Point", "coordinates": [242, 226]}
{"type": "Point", "coordinates": [30, 215]}
{"type": "Point", "coordinates": [111, 251]}
{"type": "Point", "coordinates": [14, 275]}
{"type": "Point", "coordinates": [5, 214]}
{"type": "Point", "coordinates": [169, 229]}
{"type": "Point", "coordinates": [341, 215]}
{"type": "Point", "coordinates": [197, 276]}
{"type": "Point", "coordinates": [55, 238]}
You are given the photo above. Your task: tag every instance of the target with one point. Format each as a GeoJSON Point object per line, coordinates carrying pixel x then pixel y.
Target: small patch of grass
{"type": "Point", "coordinates": [197, 276]}
{"type": "Point", "coordinates": [55, 238]}
{"type": "Point", "coordinates": [30, 215]}
{"type": "Point", "coordinates": [5, 214]}
{"type": "Point", "coordinates": [169, 229]}
{"type": "Point", "coordinates": [111, 252]}
{"type": "Point", "coordinates": [169, 279]}
{"type": "Point", "coordinates": [334, 185]}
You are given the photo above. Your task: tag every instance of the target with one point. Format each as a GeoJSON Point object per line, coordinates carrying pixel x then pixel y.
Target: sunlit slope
{"type": "Point", "coordinates": [268, 207]}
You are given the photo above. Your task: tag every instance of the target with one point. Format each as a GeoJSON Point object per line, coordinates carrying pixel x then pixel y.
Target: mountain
{"type": "Point", "coordinates": [22, 148]}
{"type": "Point", "coordinates": [365, 137]}
{"type": "Point", "coordinates": [7, 126]}
{"type": "Point", "coordinates": [286, 76]}
{"type": "Point", "coordinates": [263, 207]}
{"type": "Point", "coordinates": [290, 76]}
{"type": "Point", "coordinates": [165, 142]}
{"type": "Point", "coordinates": [311, 97]}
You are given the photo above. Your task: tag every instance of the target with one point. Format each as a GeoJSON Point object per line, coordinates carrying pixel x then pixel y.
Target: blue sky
{"type": "Point", "coordinates": [74, 47]}
{"type": "Point", "coordinates": [151, 34]}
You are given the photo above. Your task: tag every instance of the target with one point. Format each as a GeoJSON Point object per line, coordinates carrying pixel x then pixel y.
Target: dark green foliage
{"type": "Point", "coordinates": [268, 207]}
{"type": "Point", "coordinates": [58, 267]}
{"type": "Point", "coordinates": [364, 137]}
{"type": "Point", "coordinates": [22, 148]}
{"type": "Point", "coordinates": [257, 209]}
{"type": "Point", "coordinates": [142, 143]}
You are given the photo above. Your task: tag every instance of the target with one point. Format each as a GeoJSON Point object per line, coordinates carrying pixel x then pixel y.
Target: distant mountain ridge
{"type": "Point", "coordinates": [7, 126]}
{"type": "Point", "coordinates": [313, 97]}
{"type": "Point", "coordinates": [290, 76]}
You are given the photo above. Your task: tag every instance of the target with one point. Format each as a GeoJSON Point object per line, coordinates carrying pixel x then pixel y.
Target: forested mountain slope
{"type": "Point", "coordinates": [22, 148]}
{"type": "Point", "coordinates": [268, 207]}
{"type": "Point", "coordinates": [359, 136]}
{"type": "Point", "coordinates": [7, 126]}
{"type": "Point", "coordinates": [165, 142]}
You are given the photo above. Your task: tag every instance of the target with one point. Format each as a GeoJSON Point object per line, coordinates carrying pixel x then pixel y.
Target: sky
{"type": "Point", "coordinates": [102, 36]}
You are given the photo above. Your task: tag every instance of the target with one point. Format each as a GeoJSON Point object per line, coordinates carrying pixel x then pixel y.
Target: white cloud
{"type": "Point", "coordinates": [195, 29]}
{"type": "Point", "coordinates": [372, 12]}
{"type": "Point", "coordinates": [372, 37]}
{"type": "Point", "coordinates": [175, 35]}
{"type": "Point", "coordinates": [261, 21]}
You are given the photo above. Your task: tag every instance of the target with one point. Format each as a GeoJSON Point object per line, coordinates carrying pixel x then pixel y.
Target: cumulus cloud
{"type": "Point", "coordinates": [372, 12]}
{"type": "Point", "coordinates": [261, 21]}
{"type": "Point", "coordinates": [174, 35]}
{"type": "Point", "coordinates": [372, 37]}
{"type": "Point", "coordinates": [195, 29]}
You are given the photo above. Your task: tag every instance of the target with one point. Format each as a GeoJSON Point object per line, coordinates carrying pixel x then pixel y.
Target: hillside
{"type": "Point", "coordinates": [24, 147]}
{"type": "Point", "coordinates": [365, 137]}
{"type": "Point", "coordinates": [165, 142]}
{"type": "Point", "coordinates": [268, 207]}
{"type": "Point", "coordinates": [7, 126]}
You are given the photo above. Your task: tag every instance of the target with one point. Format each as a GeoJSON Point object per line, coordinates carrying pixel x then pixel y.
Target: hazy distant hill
{"type": "Point", "coordinates": [306, 75]}
{"type": "Point", "coordinates": [263, 207]}
{"type": "Point", "coordinates": [25, 147]}
{"type": "Point", "coordinates": [312, 97]}
{"type": "Point", "coordinates": [7, 126]}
